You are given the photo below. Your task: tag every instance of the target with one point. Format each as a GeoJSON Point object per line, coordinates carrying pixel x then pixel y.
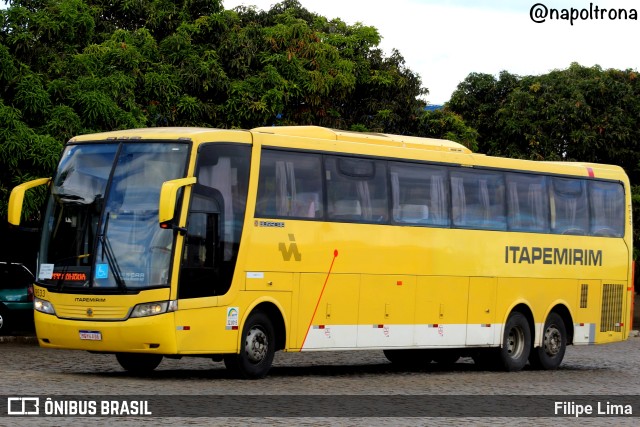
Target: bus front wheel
{"type": "Point", "coordinates": [256, 349]}
{"type": "Point", "coordinates": [516, 343]}
{"type": "Point", "coordinates": [554, 344]}
{"type": "Point", "coordinates": [138, 363]}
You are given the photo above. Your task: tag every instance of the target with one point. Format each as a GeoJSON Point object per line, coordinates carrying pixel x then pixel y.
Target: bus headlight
{"type": "Point", "coordinates": [43, 306]}
{"type": "Point", "coordinates": [153, 308]}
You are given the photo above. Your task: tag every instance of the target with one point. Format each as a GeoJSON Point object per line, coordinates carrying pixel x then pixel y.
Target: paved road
{"type": "Point", "coordinates": [607, 370]}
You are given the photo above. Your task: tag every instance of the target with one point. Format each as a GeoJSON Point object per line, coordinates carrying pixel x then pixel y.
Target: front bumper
{"type": "Point", "coordinates": [153, 334]}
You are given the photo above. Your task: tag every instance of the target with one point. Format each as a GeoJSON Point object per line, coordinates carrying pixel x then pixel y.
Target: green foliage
{"type": "Point", "coordinates": [69, 67]}
{"type": "Point", "coordinates": [448, 125]}
{"type": "Point", "coordinates": [581, 113]}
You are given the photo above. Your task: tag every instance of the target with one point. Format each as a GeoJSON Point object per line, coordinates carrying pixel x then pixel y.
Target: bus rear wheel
{"type": "Point", "coordinates": [139, 363]}
{"type": "Point", "coordinates": [257, 349]}
{"type": "Point", "coordinates": [516, 343]}
{"type": "Point", "coordinates": [554, 344]}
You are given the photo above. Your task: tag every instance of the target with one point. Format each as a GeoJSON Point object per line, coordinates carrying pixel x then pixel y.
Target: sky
{"type": "Point", "coordinates": [443, 41]}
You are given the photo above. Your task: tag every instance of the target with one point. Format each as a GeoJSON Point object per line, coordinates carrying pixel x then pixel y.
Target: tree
{"type": "Point", "coordinates": [70, 67]}
{"type": "Point", "coordinates": [581, 113]}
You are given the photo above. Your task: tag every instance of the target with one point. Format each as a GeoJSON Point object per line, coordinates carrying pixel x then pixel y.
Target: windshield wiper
{"type": "Point", "coordinates": [111, 259]}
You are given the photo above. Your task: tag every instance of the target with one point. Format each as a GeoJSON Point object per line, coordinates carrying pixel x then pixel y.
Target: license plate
{"type": "Point", "coordinates": [91, 335]}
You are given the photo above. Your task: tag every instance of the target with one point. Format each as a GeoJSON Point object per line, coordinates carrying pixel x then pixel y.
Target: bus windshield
{"type": "Point", "coordinates": [101, 226]}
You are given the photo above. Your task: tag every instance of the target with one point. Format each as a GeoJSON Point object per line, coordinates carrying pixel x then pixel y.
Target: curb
{"type": "Point", "coordinates": [19, 339]}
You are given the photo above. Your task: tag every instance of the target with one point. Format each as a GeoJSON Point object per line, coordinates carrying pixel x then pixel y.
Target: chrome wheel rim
{"type": "Point", "coordinates": [256, 345]}
{"type": "Point", "coordinates": [515, 343]}
{"type": "Point", "coordinates": [552, 341]}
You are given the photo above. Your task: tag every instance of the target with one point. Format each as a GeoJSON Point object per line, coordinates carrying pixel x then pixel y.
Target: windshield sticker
{"type": "Point", "coordinates": [46, 271]}
{"type": "Point", "coordinates": [232, 318]}
{"type": "Point", "coordinates": [133, 277]}
{"type": "Point", "coordinates": [102, 271]}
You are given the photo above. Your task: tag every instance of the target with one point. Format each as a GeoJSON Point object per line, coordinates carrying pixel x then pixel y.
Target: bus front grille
{"type": "Point", "coordinates": [91, 313]}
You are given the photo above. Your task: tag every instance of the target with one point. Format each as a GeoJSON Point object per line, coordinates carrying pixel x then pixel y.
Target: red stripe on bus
{"type": "Point", "coordinates": [335, 255]}
{"type": "Point", "coordinates": [590, 172]}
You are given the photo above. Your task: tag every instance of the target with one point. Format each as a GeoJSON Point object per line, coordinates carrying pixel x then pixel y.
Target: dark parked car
{"type": "Point", "coordinates": [16, 298]}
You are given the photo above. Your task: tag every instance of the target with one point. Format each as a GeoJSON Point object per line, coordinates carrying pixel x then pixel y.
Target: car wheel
{"type": "Point", "coordinates": [5, 323]}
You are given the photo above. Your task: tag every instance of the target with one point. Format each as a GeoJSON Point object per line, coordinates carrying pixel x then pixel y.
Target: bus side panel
{"type": "Point", "coordinates": [441, 311]}
{"type": "Point", "coordinates": [205, 329]}
{"type": "Point", "coordinates": [386, 311]}
{"type": "Point", "coordinates": [327, 314]}
{"type": "Point", "coordinates": [588, 307]}
{"type": "Point", "coordinates": [481, 327]}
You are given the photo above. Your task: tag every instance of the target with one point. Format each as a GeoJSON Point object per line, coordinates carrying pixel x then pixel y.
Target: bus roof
{"type": "Point", "coordinates": [369, 138]}
{"type": "Point", "coordinates": [418, 148]}
{"type": "Point", "coordinates": [174, 133]}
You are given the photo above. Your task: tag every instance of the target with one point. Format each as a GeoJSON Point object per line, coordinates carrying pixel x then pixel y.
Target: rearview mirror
{"type": "Point", "coordinates": [16, 199]}
{"type": "Point", "coordinates": [168, 193]}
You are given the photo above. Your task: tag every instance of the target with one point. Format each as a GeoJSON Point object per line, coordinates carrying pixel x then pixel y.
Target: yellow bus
{"type": "Point", "coordinates": [234, 244]}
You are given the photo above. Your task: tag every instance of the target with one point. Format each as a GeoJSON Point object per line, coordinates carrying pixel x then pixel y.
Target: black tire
{"type": "Point", "coordinates": [516, 343]}
{"type": "Point", "coordinates": [554, 344]}
{"type": "Point", "coordinates": [411, 359]}
{"type": "Point", "coordinates": [256, 349]}
{"type": "Point", "coordinates": [138, 363]}
{"type": "Point", "coordinates": [5, 321]}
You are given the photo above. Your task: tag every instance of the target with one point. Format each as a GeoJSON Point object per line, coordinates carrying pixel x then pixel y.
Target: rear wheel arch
{"type": "Point", "coordinates": [524, 309]}
{"type": "Point", "coordinates": [564, 313]}
{"type": "Point", "coordinates": [517, 340]}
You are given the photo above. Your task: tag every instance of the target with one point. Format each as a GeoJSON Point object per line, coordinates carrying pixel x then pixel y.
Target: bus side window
{"type": "Point", "coordinates": [569, 206]}
{"type": "Point", "coordinates": [607, 219]}
{"type": "Point", "coordinates": [527, 202]}
{"type": "Point", "coordinates": [478, 199]}
{"type": "Point", "coordinates": [419, 194]}
{"type": "Point", "coordinates": [290, 185]}
{"type": "Point", "coordinates": [356, 189]}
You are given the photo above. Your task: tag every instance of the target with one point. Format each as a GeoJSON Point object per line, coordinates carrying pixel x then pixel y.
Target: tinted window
{"type": "Point", "coordinates": [477, 199]}
{"type": "Point", "coordinates": [14, 276]}
{"type": "Point", "coordinates": [607, 208]}
{"type": "Point", "coordinates": [419, 193]}
{"type": "Point", "coordinates": [290, 185]}
{"type": "Point", "coordinates": [569, 206]}
{"type": "Point", "coordinates": [527, 202]}
{"type": "Point", "coordinates": [356, 189]}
